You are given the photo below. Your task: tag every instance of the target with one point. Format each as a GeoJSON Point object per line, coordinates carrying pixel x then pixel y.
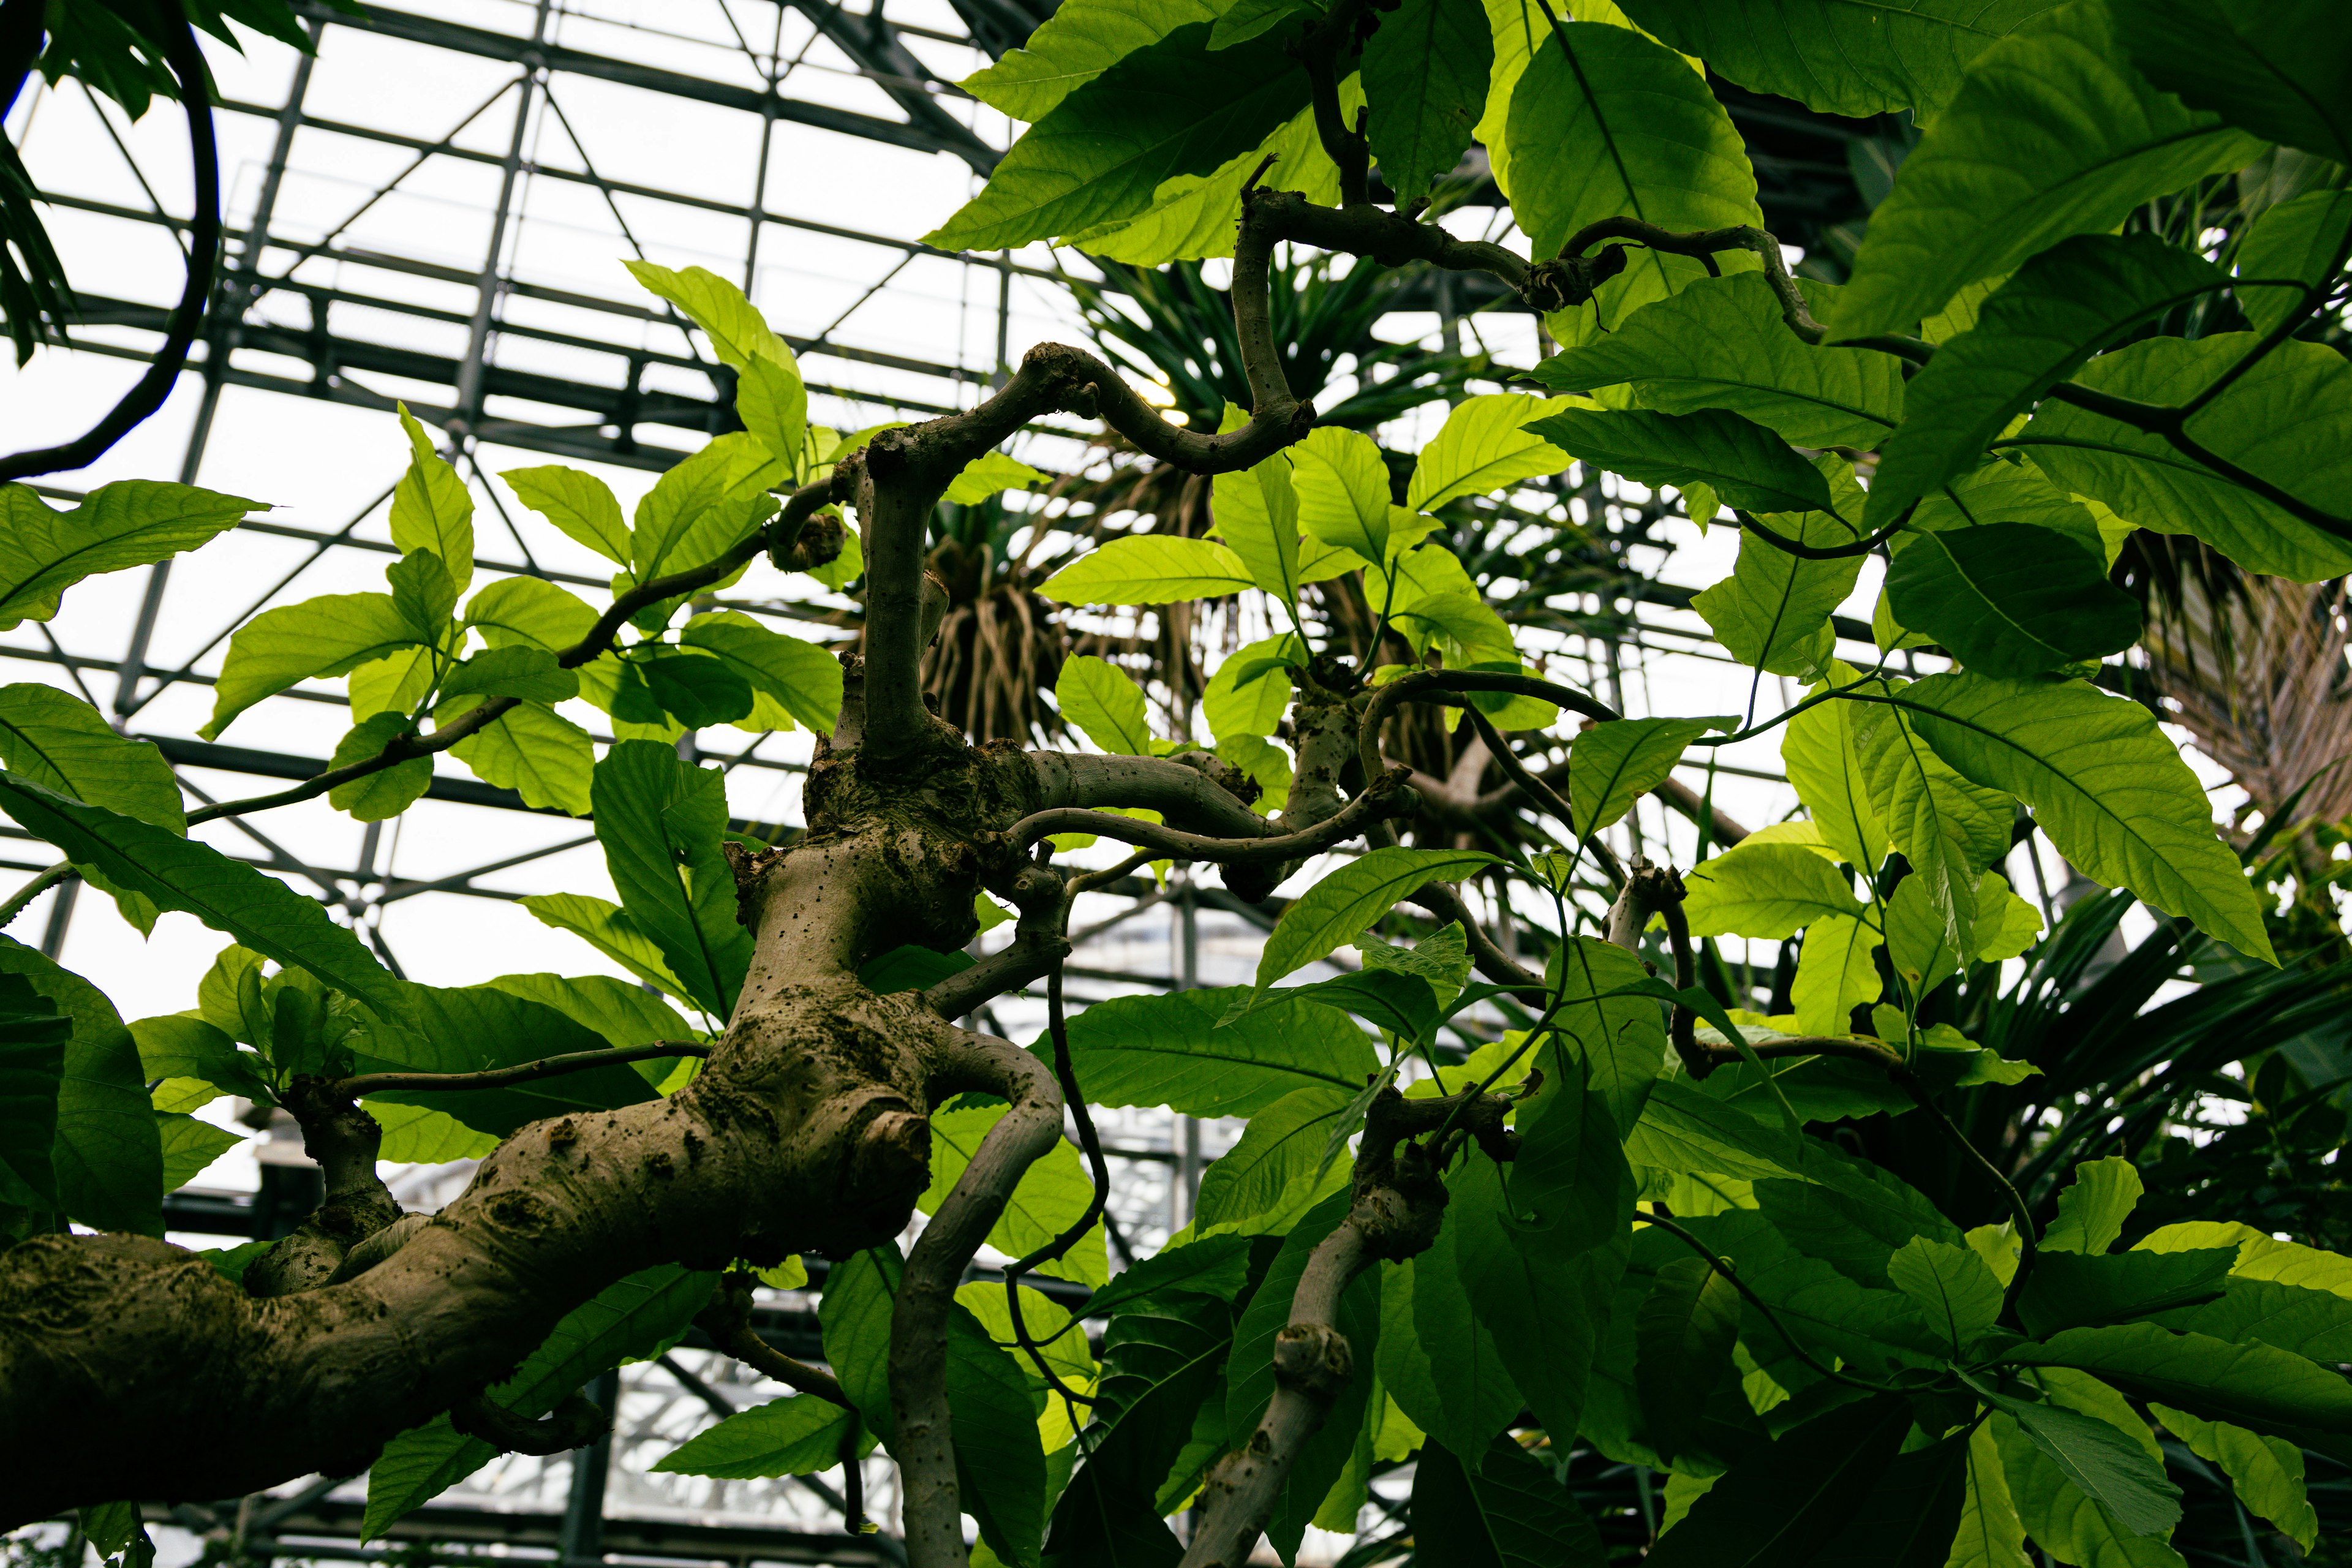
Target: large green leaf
{"type": "Point", "coordinates": [2288, 420]}
{"type": "Point", "coordinates": [2104, 783]}
{"type": "Point", "coordinates": [1171, 1050]}
{"type": "Point", "coordinates": [2033, 332]}
{"type": "Point", "coordinates": [1682, 1338]}
{"type": "Point", "coordinates": [1436, 1359]}
{"type": "Point", "coordinates": [2074, 1289]}
{"type": "Point", "coordinates": [1150, 570]}
{"type": "Point", "coordinates": [1611, 766]}
{"type": "Point", "coordinates": [2315, 1323]}
{"type": "Point", "coordinates": [431, 508]}
{"type": "Point", "coordinates": [638, 1317]}
{"type": "Point", "coordinates": [530, 613]}
{"type": "Point", "coordinates": [1346, 901]}
{"type": "Point", "coordinates": [799, 677]}
{"type": "Point", "coordinates": [1000, 1463]}
{"type": "Point", "coordinates": [1954, 1288]}
{"type": "Point", "coordinates": [612, 931]}
{"type": "Point", "coordinates": [130, 522]}
{"type": "Point", "coordinates": [1170, 108]}
{"type": "Point", "coordinates": [791, 1436]}
{"type": "Point", "coordinates": [2083, 1467]}
{"type": "Point", "coordinates": [2267, 1473]}
{"type": "Point", "coordinates": [1283, 1144]}
{"type": "Point", "coordinates": [2053, 133]}
{"type": "Point", "coordinates": [476, 1028]}
{"type": "Point", "coordinates": [1508, 1512]}
{"type": "Point", "coordinates": [1948, 825]}
{"type": "Point", "coordinates": [67, 745]}
{"type": "Point", "coordinates": [1721, 343]}
{"type": "Point", "coordinates": [1106, 704]}
{"type": "Point", "coordinates": [1773, 611]}
{"type": "Point", "coordinates": [2009, 598]}
{"type": "Point", "coordinates": [2251, 1385]}
{"type": "Point", "coordinates": [1343, 485]}
{"type": "Point", "coordinates": [1856, 57]}
{"type": "Point", "coordinates": [661, 820]}
{"type": "Point", "coordinates": [582, 505]}
{"type": "Point", "coordinates": [1835, 973]}
{"type": "Point", "coordinates": [1256, 512]}
{"type": "Point", "coordinates": [1783, 1502]}
{"type": "Point", "coordinates": [1425, 75]}
{"type": "Point", "coordinates": [1911, 1516]}
{"type": "Point", "coordinates": [1076, 43]}
{"type": "Point", "coordinates": [1541, 1257]}
{"type": "Point", "coordinates": [1767, 891]}
{"type": "Point", "coordinates": [1685, 1129]}
{"type": "Point", "coordinates": [1608, 123]}
{"type": "Point", "coordinates": [1484, 445]}
{"type": "Point", "coordinates": [32, 1035]}
{"type": "Point", "coordinates": [535, 751]}
{"type": "Point", "coordinates": [2092, 1208]}
{"type": "Point", "coordinates": [189, 1146]}
{"type": "Point", "coordinates": [1989, 1535]}
{"type": "Point", "coordinates": [860, 1296]}
{"type": "Point", "coordinates": [332, 635]}
{"type": "Point", "coordinates": [2280, 69]}
{"type": "Point", "coordinates": [1743, 463]}
{"type": "Point", "coordinates": [1824, 765]}
{"type": "Point", "coordinates": [227, 895]}
{"type": "Point", "coordinates": [2296, 239]}
{"type": "Point", "coordinates": [1051, 1196]}
{"type": "Point", "coordinates": [699, 508]}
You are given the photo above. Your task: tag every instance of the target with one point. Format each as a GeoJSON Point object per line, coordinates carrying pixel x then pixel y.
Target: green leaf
{"type": "Point", "coordinates": [797, 1436]}
{"type": "Point", "coordinates": [2072, 1290]}
{"type": "Point", "coordinates": [1403, 1004]}
{"type": "Point", "coordinates": [431, 508]}
{"type": "Point", "coordinates": [1608, 124]}
{"type": "Point", "coordinates": [1990, 1535]}
{"type": "Point", "coordinates": [1954, 1288]}
{"type": "Point", "coordinates": [32, 1035]}
{"type": "Point", "coordinates": [227, 895]}
{"type": "Point", "coordinates": [1721, 343]}
{"type": "Point", "coordinates": [520, 671]}
{"type": "Point", "coordinates": [2285, 419]}
{"type": "Point", "coordinates": [1911, 1516]}
{"type": "Point", "coordinates": [582, 505]}
{"type": "Point", "coordinates": [1682, 1338]}
{"type": "Point", "coordinates": [2251, 1385]}
{"type": "Point", "coordinates": [417, 1134]}
{"type": "Point", "coordinates": [1835, 973]}
{"type": "Point", "coordinates": [65, 744]}
{"type": "Point", "coordinates": [1611, 766]}
{"type": "Point", "coordinates": [1106, 704]}
{"type": "Point", "coordinates": [910, 967]}
{"type": "Point", "coordinates": [702, 507]}
{"type": "Point", "coordinates": [738, 332]}
{"type": "Point", "coordinates": [376, 796]}
{"type": "Point", "coordinates": [1342, 481]}
{"type": "Point", "coordinates": [697, 691]}
{"type": "Point", "coordinates": [130, 522]}
{"type": "Point", "coordinates": [1000, 1464]}
{"type": "Point", "coordinates": [660, 820]}
{"type": "Point", "coordinates": [1170, 108]}
{"type": "Point", "coordinates": [1425, 75]}
{"type": "Point", "coordinates": [529, 612]}
{"type": "Point", "coordinates": [860, 1297]}
{"type": "Point", "coordinates": [635, 1317]}
{"type": "Point", "coordinates": [1075, 45]}
{"type": "Point", "coordinates": [1683, 1129]}
{"type": "Point", "coordinates": [612, 931]}
{"type": "Point", "coordinates": [2103, 782]}
{"type": "Point", "coordinates": [2093, 1209]}
{"type": "Point", "coordinates": [1052, 1195]}
{"type": "Point", "coordinates": [1257, 515]}
{"type": "Point", "coordinates": [2281, 70]}
{"type": "Point", "coordinates": [475, 1027]}
{"type": "Point", "coordinates": [1484, 445]}
{"type": "Point", "coordinates": [1786, 1501]}
{"type": "Point", "coordinates": [989, 474]}
{"type": "Point", "coordinates": [2315, 1323]}
{"type": "Point", "coordinates": [2266, 1473]}
{"type": "Point", "coordinates": [1235, 706]}
{"type": "Point", "coordinates": [1853, 58]}
{"type": "Point", "coordinates": [1542, 1258]}
{"type": "Point", "coordinates": [1773, 611]}
{"type": "Point", "coordinates": [1508, 1513]}
{"type": "Point", "coordinates": [800, 677]}
{"type": "Point", "coordinates": [2035, 331]}
{"type": "Point", "coordinates": [1743, 463]}
{"type": "Point", "coordinates": [1171, 1050]}
{"type": "Point", "coordinates": [539, 754]}
{"type": "Point", "coordinates": [188, 1146]}
{"type": "Point", "coordinates": [2295, 239]}
{"type": "Point", "coordinates": [106, 1155]}
{"type": "Point", "coordinates": [2073, 1449]}
{"type": "Point", "coordinates": [2053, 133]}
{"type": "Point", "coordinates": [2013, 489]}
{"type": "Point", "coordinates": [1153, 569]}
{"type": "Point", "coordinates": [1766, 890]}
{"type": "Point", "coordinates": [1948, 826]}
{"type": "Point", "coordinates": [1282, 1145]}
{"type": "Point", "coordinates": [422, 590]}
{"type": "Point", "coordinates": [1824, 764]}
{"type": "Point", "coordinates": [329, 635]}
{"type": "Point", "coordinates": [1473, 1396]}
{"type": "Point", "coordinates": [1346, 901]}
{"type": "Point", "coordinates": [2009, 598]}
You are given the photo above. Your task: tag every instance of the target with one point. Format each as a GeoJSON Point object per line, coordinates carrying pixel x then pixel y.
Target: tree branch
{"type": "Point", "coordinates": [344, 1141]}
{"type": "Point", "coordinates": [1193, 790]}
{"type": "Point", "coordinates": [501, 1077]}
{"type": "Point", "coordinates": [1389, 797]}
{"type": "Point", "coordinates": [727, 1321]}
{"type": "Point", "coordinates": [1705, 245]}
{"type": "Point", "coordinates": [1543, 794]}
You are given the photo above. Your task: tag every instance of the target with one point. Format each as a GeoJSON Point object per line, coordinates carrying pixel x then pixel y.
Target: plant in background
{"type": "Point", "coordinates": [1841, 1257]}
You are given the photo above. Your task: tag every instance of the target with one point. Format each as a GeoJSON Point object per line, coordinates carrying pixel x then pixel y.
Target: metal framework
{"type": "Point", "coordinates": [340, 291]}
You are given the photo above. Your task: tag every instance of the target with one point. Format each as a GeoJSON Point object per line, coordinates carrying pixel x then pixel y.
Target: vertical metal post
{"type": "Point", "coordinates": [1003, 371]}
{"type": "Point", "coordinates": [582, 1537]}
{"type": "Point", "coordinates": [228, 313]}
{"type": "Point", "coordinates": [1188, 976]}
{"type": "Point", "coordinates": [758, 211]}
{"type": "Point", "coordinates": [468, 410]}
{"type": "Point", "coordinates": [61, 907]}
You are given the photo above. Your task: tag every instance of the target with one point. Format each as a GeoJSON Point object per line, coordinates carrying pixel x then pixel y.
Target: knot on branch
{"type": "Point", "coordinates": [1220, 772]}
{"type": "Point", "coordinates": [1569, 281]}
{"type": "Point", "coordinates": [751, 867]}
{"type": "Point", "coordinates": [1314, 1359]}
{"type": "Point", "coordinates": [343, 1141]}
{"type": "Point", "coordinates": [818, 543]}
{"type": "Point", "coordinates": [575, 1423]}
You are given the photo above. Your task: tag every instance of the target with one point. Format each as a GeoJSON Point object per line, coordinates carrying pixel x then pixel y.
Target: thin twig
{"type": "Point", "coordinates": [500, 1077]}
